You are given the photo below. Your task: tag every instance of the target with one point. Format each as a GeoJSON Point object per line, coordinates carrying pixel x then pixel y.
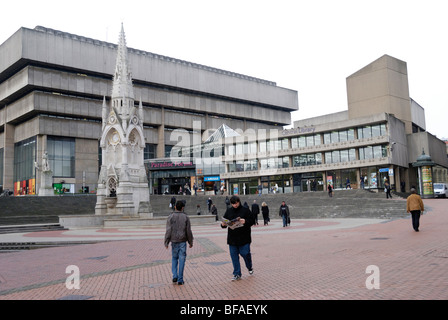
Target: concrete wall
{"type": "Point", "coordinates": [79, 53]}
{"type": "Point", "coordinates": [432, 146]}
{"type": "Point", "coordinates": [381, 86]}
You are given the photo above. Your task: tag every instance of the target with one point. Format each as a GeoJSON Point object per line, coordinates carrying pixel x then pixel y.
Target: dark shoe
{"type": "Point", "coordinates": [180, 283]}
{"type": "Point", "coordinates": [174, 280]}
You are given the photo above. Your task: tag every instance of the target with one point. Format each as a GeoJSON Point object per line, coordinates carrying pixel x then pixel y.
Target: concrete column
{"type": "Point", "coordinates": [161, 137]}
{"type": "Point", "coordinates": [8, 157]}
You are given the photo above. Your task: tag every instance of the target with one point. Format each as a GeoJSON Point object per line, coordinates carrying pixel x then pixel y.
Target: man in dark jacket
{"type": "Point", "coordinates": [178, 232]}
{"type": "Point", "coordinates": [239, 239]}
{"type": "Point", "coordinates": [255, 211]}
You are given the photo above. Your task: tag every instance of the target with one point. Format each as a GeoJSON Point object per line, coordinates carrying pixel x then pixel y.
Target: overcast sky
{"type": "Point", "coordinates": [308, 46]}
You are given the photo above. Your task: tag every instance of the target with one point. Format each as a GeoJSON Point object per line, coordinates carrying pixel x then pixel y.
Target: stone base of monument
{"type": "Point", "coordinates": [120, 221]}
{"type": "Point", "coordinates": [46, 186]}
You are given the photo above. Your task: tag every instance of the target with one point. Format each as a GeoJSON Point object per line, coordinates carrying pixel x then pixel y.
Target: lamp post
{"type": "Point", "coordinates": [424, 166]}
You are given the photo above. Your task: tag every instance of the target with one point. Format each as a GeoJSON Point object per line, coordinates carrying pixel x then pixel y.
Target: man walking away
{"type": "Point", "coordinates": [414, 205]}
{"type": "Point", "coordinates": [178, 232]}
{"type": "Point", "coordinates": [239, 239]}
{"type": "Point", "coordinates": [255, 211]}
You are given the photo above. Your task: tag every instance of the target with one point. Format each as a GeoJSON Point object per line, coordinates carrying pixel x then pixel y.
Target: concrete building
{"type": "Point", "coordinates": [52, 85]}
{"type": "Point", "coordinates": [378, 138]}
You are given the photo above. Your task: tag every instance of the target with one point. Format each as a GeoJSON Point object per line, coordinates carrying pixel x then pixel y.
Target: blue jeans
{"type": "Point", "coordinates": [244, 251]}
{"type": "Point", "coordinates": [179, 253]}
{"type": "Point", "coordinates": [285, 220]}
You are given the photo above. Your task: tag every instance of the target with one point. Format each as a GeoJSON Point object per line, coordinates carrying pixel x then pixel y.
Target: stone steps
{"type": "Point", "coordinates": [305, 205]}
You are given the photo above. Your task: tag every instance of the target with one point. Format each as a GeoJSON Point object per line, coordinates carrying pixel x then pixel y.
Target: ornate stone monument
{"type": "Point", "coordinates": [46, 177]}
{"type": "Point", "coordinates": [122, 185]}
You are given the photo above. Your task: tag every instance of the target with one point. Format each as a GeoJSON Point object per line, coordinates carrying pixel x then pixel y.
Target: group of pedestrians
{"type": "Point", "coordinates": [239, 219]}
{"type": "Point", "coordinates": [178, 232]}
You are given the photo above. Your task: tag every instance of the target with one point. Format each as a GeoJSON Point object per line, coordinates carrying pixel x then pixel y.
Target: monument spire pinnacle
{"type": "Point", "coordinates": [122, 89]}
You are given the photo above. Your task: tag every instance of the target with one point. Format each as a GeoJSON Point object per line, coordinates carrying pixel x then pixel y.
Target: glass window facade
{"type": "Point", "coordinates": [61, 156]}
{"type": "Point", "coordinates": [339, 136]}
{"type": "Point", "coordinates": [372, 131]}
{"type": "Point", "coordinates": [24, 158]}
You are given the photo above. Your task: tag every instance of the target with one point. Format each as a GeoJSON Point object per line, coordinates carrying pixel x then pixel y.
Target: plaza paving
{"type": "Point", "coordinates": [314, 259]}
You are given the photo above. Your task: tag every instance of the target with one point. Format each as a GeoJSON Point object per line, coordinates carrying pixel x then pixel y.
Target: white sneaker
{"type": "Point", "coordinates": [234, 278]}
{"type": "Point", "coordinates": [251, 271]}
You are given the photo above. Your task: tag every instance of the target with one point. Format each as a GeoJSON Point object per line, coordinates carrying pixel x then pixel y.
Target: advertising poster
{"type": "Point", "coordinates": [427, 181]}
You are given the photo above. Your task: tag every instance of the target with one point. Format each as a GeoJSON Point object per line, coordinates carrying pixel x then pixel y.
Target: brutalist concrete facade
{"type": "Point", "coordinates": [52, 84]}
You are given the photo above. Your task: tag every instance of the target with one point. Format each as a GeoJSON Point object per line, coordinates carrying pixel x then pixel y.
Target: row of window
{"type": "Point", "coordinates": [336, 156]}
{"type": "Point", "coordinates": [308, 140]}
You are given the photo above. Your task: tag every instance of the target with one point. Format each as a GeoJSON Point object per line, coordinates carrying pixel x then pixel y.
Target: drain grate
{"type": "Point", "coordinates": [379, 238]}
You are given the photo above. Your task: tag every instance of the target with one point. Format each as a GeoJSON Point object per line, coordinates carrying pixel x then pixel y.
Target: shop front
{"type": "Point", "coordinates": [308, 181]}
{"type": "Point", "coordinates": [170, 177]}
{"type": "Point", "coordinates": [243, 186]}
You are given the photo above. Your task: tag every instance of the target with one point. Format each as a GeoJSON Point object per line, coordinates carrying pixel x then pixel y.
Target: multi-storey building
{"type": "Point", "coordinates": [378, 138]}
{"type": "Point", "coordinates": [52, 85]}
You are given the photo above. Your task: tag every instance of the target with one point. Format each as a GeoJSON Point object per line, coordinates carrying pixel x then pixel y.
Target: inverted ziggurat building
{"type": "Point", "coordinates": [56, 90]}
{"type": "Point", "coordinates": [52, 87]}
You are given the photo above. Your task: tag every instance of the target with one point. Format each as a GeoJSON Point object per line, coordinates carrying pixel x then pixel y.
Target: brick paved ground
{"type": "Point", "coordinates": [312, 259]}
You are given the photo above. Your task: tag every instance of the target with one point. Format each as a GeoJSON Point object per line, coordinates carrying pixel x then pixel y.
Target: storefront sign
{"type": "Point", "coordinates": [170, 164]}
{"type": "Point", "coordinates": [298, 131]}
{"type": "Point", "coordinates": [212, 178]}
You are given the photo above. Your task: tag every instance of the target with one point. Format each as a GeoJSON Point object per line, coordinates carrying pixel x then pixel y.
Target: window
{"type": "Point", "coordinates": [24, 157]}
{"type": "Point", "coordinates": [351, 134]}
{"type": "Point", "coordinates": [317, 139]}
{"type": "Point", "coordinates": [231, 150]}
{"type": "Point", "coordinates": [327, 138]}
{"type": "Point", "coordinates": [61, 156]}
{"type": "Point", "coordinates": [150, 151]}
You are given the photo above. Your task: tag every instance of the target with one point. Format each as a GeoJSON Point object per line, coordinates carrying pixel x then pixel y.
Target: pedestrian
{"type": "Point", "coordinates": [265, 213]}
{"type": "Point", "coordinates": [255, 211]}
{"type": "Point", "coordinates": [239, 239]}
{"type": "Point", "coordinates": [260, 190]}
{"type": "Point", "coordinates": [347, 184]}
{"type": "Point", "coordinates": [173, 202]}
{"type": "Point", "coordinates": [195, 187]}
{"type": "Point", "coordinates": [198, 210]}
{"type": "Point", "coordinates": [387, 188]}
{"type": "Point", "coordinates": [209, 204]}
{"type": "Point", "coordinates": [178, 232]}
{"type": "Point", "coordinates": [330, 190]}
{"type": "Point", "coordinates": [414, 205]}
{"type": "Point", "coordinates": [215, 211]}
{"type": "Point", "coordinates": [284, 213]}
{"type": "Point", "coordinates": [227, 202]}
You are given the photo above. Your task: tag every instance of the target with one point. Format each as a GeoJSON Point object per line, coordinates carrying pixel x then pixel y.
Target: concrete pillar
{"type": "Point", "coordinates": [8, 157]}
{"type": "Point", "coordinates": [161, 137]}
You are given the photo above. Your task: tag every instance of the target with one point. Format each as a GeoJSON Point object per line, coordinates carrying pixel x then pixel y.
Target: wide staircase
{"type": "Point", "coordinates": [34, 210]}
{"type": "Point", "coordinates": [305, 205]}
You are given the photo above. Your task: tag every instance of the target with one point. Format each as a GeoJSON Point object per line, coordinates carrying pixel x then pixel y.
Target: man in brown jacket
{"type": "Point", "coordinates": [178, 232]}
{"type": "Point", "coordinates": [414, 205]}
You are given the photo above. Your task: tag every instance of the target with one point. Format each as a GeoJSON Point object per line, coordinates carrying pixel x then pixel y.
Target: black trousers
{"type": "Point", "coordinates": [415, 219]}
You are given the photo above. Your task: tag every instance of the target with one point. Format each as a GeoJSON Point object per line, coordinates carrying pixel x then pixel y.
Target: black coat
{"type": "Point", "coordinates": [239, 236]}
